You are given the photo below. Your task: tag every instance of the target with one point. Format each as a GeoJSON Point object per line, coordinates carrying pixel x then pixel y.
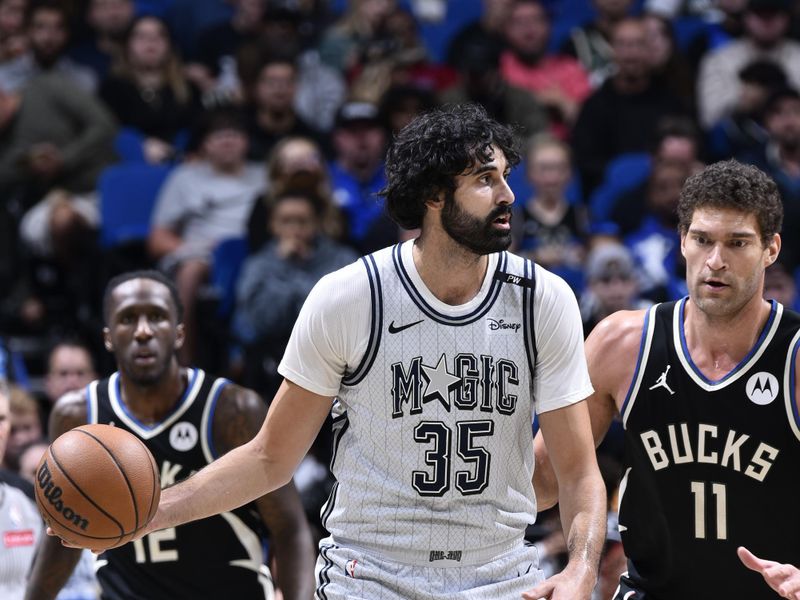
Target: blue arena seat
{"type": "Point", "coordinates": [622, 174]}
{"type": "Point", "coordinates": [227, 258]}
{"type": "Point", "coordinates": [128, 192]}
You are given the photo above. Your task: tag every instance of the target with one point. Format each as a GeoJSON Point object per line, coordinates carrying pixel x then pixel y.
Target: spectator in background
{"type": "Point", "coordinates": [271, 114]}
{"type": "Point", "coordinates": [780, 284]}
{"type": "Point", "coordinates": [611, 284]}
{"type": "Point", "coordinates": [108, 21]}
{"type": "Point", "coordinates": [214, 69]}
{"type": "Point", "coordinates": [320, 88]}
{"type": "Point", "coordinates": [550, 229]}
{"type": "Point", "coordinates": [26, 424]}
{"type": "Point", "coordinates": [557, 81]}
{"type": "Point", "coordinates": [13, 41]}
{"type": "Point", "coordinates": [53, 135]}
{"type": "Point", "coordinates": [723, 24]}
{"type": "Point", "coordinates": [19, 521]}
{"type": "Point", "coordinates": [200, 204]}
{"type": "Point", "coordinates": [668, 62]}
{"type": "Point", "coordinates": [70, 366]}
{"type": "Point", "coordinates": [621, 116]}
{"type": "Point", "coordinates": [655, 243]}
{"type": "Point", "coordinates": [401, 104]}
{"type": "Point", "coordinates": [29, 456]}
{"type": "Point", "coordinates": [677, 140]}
{"type": "Point", "coordinates": [779, 157]}
{"type": "Point", "coordinates": [61, 227]}
{"type": "Point", "coordinates": [766, 24]}
{"type": "Point", "coordinates": [481, 82]}
{"type": "Point", "coordinates": [358, 35]}
{"type": "Point", "coordinates": [276, 280]}
{"type": "Point", "coordinates": [56, 290]}
{"type": "Point", "coordinates": [357, 172]}
{"type": "Point", "coordinates": [742, 131]}
{"type": "Point", "coordinates": [403, 61]}
{"type": "Point", "coordinates": [488, 32]}
{"type": "Point", "coordinates": [295, 163]}
{"type": "Point", "coordinates": [47, 26]}
{"type": "Point", "coordinates": [591, 43]}
{"type": "Point", "coordinates": [147, 90]}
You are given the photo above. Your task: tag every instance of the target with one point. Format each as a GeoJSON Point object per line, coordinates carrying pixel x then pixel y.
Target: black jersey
{"type": "Point", "coordinates": [710, 465]}
{"type": "Point", "coordinates": [218, 557]}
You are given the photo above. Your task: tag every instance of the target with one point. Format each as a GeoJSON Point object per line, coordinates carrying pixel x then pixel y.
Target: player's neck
{"type": "Point", "coordinates": [721, 343]}
{"type": "Point", "coordinates": [151, 403]}
{"type": "Point", "coordinates": [452, 273]}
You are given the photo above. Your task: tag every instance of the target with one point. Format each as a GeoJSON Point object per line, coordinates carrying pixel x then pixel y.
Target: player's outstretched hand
{"type": "Point", "coordinates": [783, 578]}
{"type": "Point", "coordinates": [567, 585]}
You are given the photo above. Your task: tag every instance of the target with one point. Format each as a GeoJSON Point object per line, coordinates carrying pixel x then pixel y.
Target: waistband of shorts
{"type": "Point", "coordinates": [437, 558]}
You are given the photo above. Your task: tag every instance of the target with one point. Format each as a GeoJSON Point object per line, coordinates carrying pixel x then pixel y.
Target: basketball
{"type": "Point", "coordinates": [96, 486]}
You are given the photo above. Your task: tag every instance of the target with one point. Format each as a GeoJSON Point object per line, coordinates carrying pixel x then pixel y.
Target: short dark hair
{"type": "Point", "coordinates": [49, 5]}
{"type": "Point", "coordinates": [731, 184]}
{"type": "Point", "coordinates": [150, 274]}
{"type": "Point", "coordinates": [426, 156]}
{"type": "Point", "coordinates": [777, 96]}
{"type": "Point", "coordinates": [763, 72]}
{"type": "Point", "coordinates": [72, 341]}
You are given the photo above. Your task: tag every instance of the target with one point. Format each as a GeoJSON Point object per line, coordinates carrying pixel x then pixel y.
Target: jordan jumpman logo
{"type": "Point", "coordinates": [662, 382]}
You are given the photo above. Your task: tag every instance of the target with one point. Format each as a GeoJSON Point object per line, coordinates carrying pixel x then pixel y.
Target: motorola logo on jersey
{"type": "Point", "coordinates": [762, 388]}
{"type": "Point", "coordinates": [183, 436]}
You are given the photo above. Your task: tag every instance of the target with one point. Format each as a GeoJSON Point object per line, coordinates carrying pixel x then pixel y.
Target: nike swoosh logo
{"type": "Point", "coordinates": [393, 329]}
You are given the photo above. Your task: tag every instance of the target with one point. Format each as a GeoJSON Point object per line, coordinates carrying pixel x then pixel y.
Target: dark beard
{"type": "Point", "coordinates": [474, 234]}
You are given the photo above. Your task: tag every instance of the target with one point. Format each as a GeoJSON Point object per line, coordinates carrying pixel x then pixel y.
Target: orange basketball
{"type": "Point", "coordinates": [96, 486]}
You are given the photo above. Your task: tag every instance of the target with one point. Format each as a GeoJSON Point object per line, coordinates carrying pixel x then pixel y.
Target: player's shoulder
{"type": "Point", "coordinates": [621, 331]}
{"type": "Point", "coordinates": [237, 417]}
{"type": "Point", "coordinates": [235, 399]}
{"type": "Point", "coordinates": [350, 283]}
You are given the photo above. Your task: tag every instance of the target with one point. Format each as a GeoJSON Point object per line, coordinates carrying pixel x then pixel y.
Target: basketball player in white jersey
{"type": "Point", "coordinates": [434, 354]}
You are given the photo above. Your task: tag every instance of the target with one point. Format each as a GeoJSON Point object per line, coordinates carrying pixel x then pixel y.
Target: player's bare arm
{"type": "Point", "coordinates": [238, 417]}
{"type": "Point", "coordinates": [263, 464]}
{"type": "Point", "coordinates": [582, 500]}
{"type": "Point", "coordinates": [54, 563]}
{"type": "Point", "coordinates": [611, 352]}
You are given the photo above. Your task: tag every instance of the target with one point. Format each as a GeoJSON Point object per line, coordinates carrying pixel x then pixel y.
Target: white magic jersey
{"type": "Point", "coordinates": [434, 403]}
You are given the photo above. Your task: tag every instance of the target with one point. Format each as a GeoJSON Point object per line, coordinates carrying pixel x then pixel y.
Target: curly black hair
{"type": "Point", "coordinates": [731, 184]}
{"type": "Point", "coordinates": [427, 155]}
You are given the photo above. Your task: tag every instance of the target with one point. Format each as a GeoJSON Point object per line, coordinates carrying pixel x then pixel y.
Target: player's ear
{"type": "Point", "coordinates": [773, 249]}
{"type": "Point", "coordinates": [180, 336]}
{"type": "Point", "coordinates": [436, 202]}
{"type": "Point", "coordinates": [107, 339]}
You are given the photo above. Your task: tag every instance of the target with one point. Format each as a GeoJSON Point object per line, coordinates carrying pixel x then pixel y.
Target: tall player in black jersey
{"type": "Point", "coordinates": [186, 418]}
{"type": "Point", "coordinates": [707, 391]}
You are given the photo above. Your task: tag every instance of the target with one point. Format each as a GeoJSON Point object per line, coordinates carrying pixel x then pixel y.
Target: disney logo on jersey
{"type": "Point", "coordinates": [762, 388]}
{"type": "Point", "coordinates": [183, 436]}
{"type": "Point", "coordinates": [473, 382]}
{"type": "Point", "coordinates": [500, 326]}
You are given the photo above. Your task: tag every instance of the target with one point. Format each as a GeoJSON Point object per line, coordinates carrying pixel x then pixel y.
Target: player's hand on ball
{"type": "Point", "coordinates": [783, 578]}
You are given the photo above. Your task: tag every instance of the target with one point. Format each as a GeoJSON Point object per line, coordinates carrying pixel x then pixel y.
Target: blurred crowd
{"type": "Point", "coordinates": [238, 146]}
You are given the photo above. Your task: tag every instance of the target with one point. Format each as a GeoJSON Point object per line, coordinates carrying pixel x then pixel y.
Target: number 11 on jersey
{"type": "Point", "coordinates": [718, 490]}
